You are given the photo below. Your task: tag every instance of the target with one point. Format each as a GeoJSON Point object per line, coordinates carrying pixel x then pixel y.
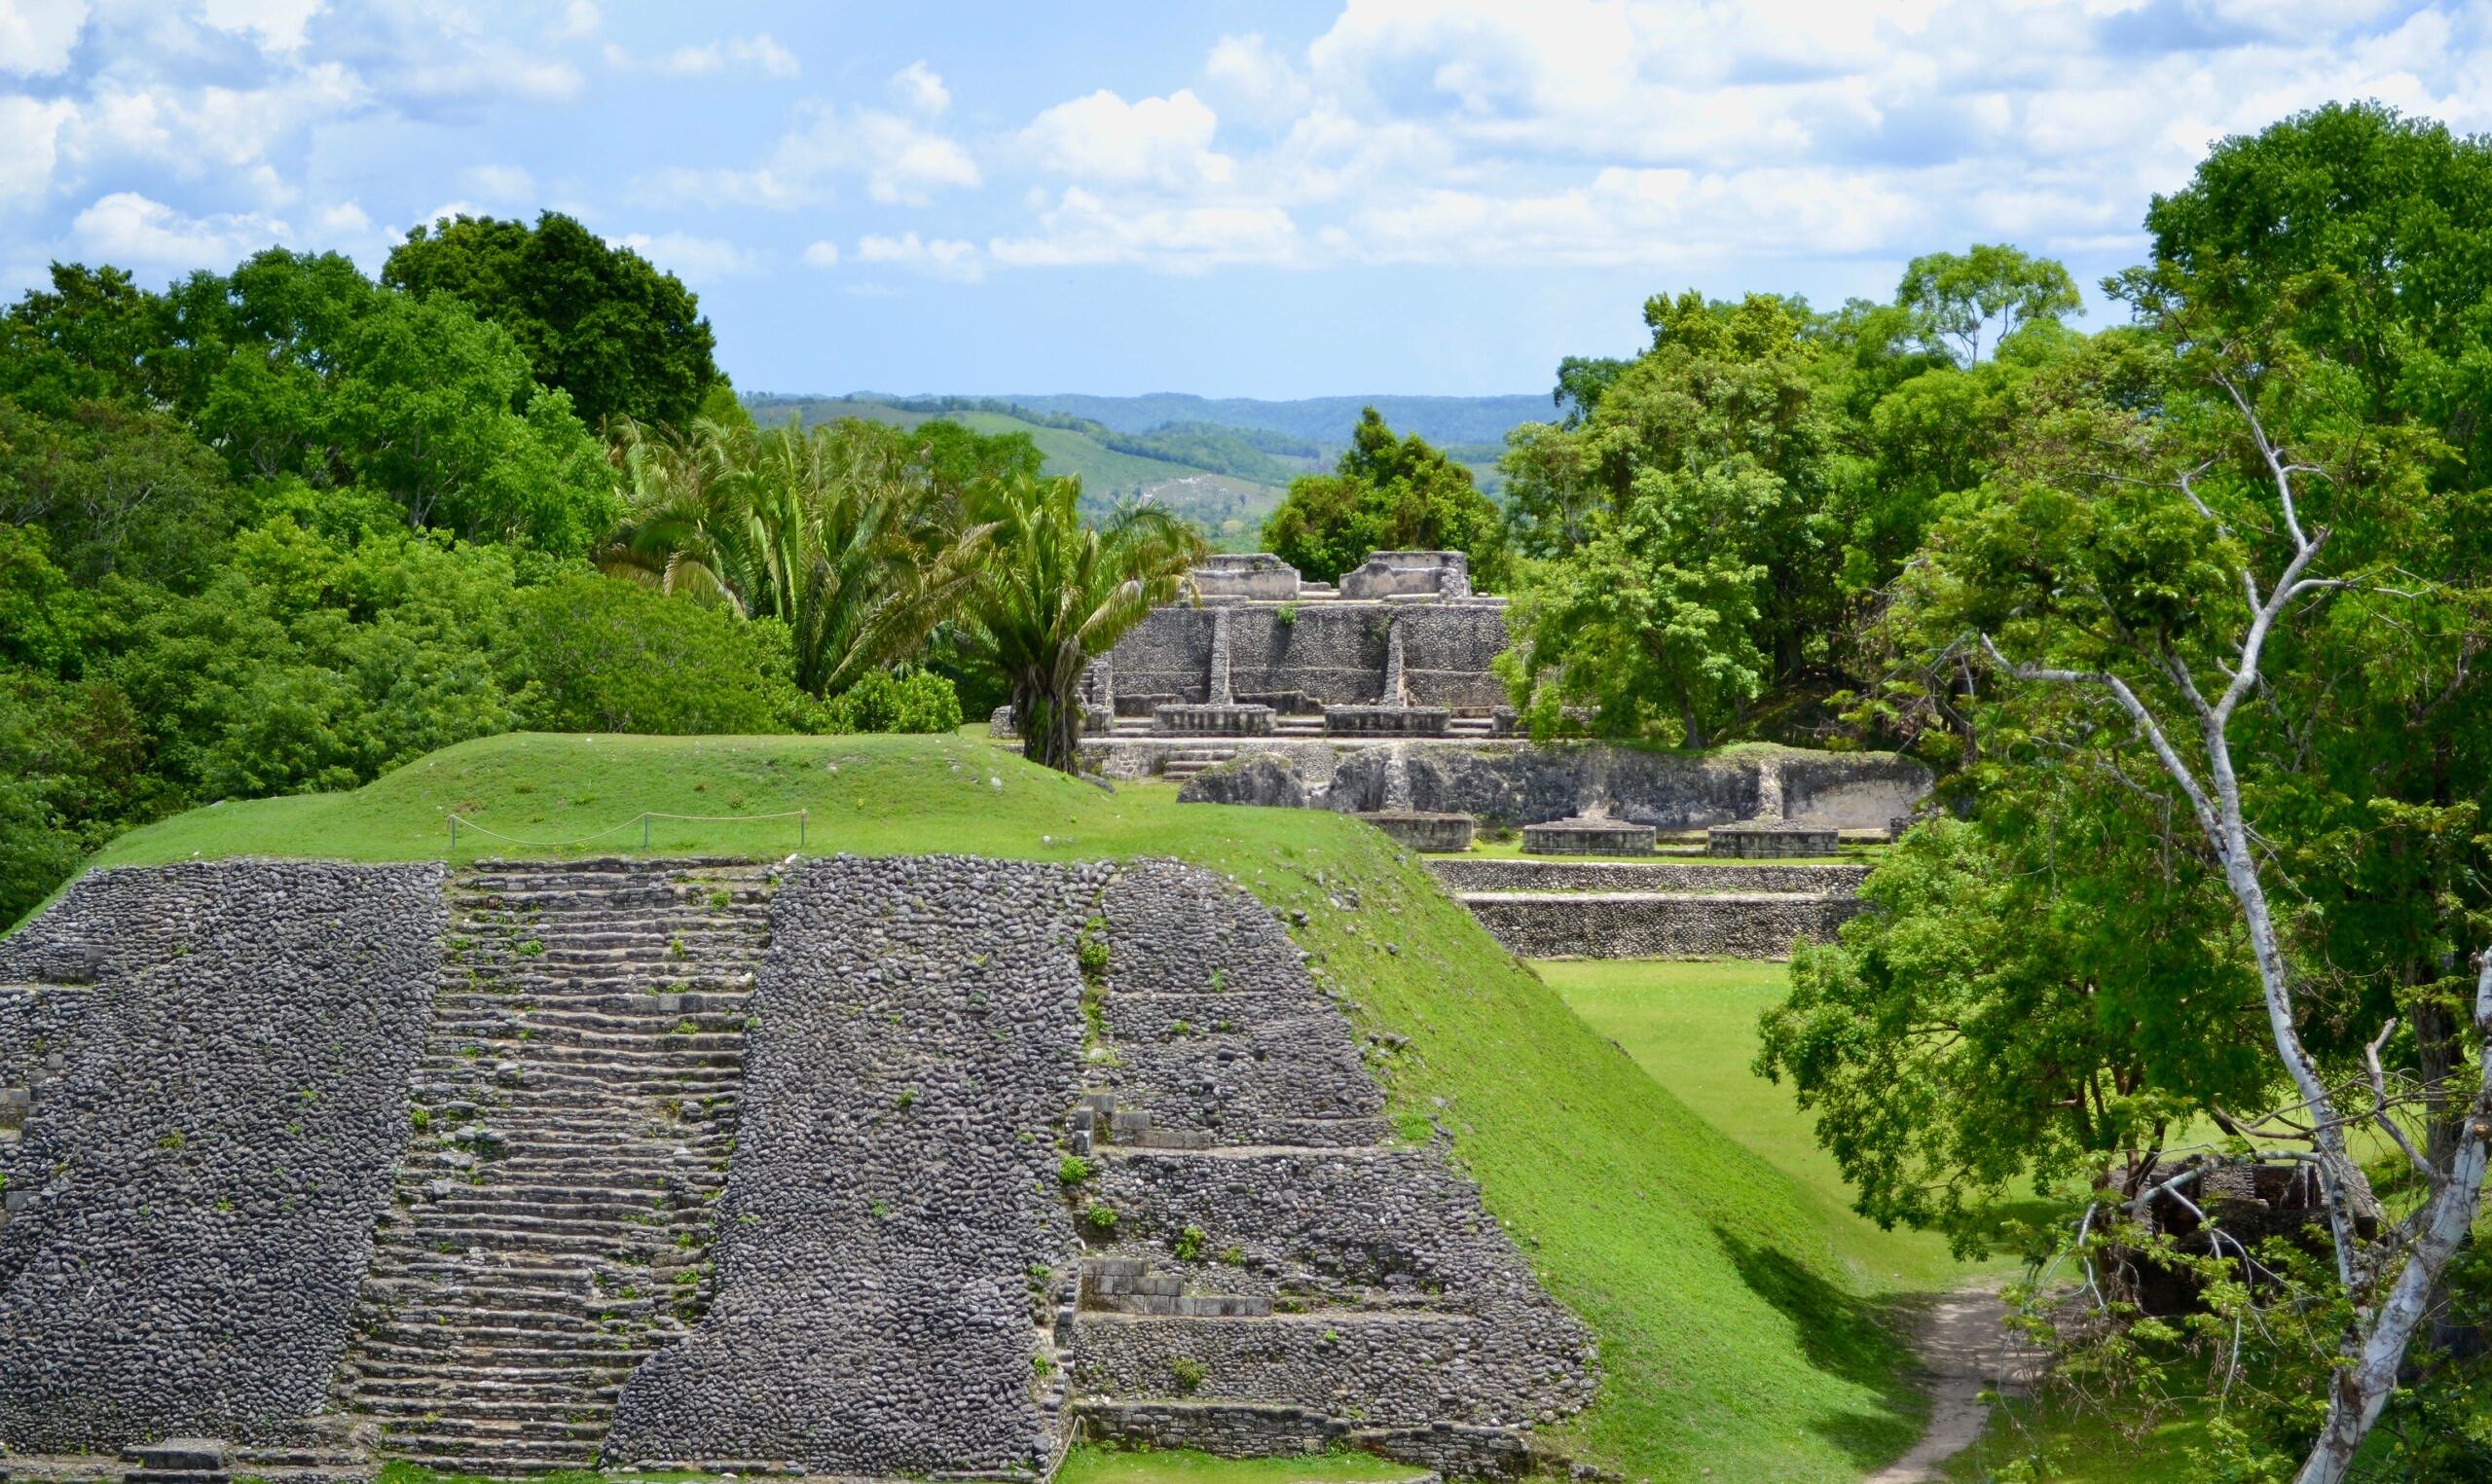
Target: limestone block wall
{"type": "Point", "coordinates": [917, 1037]}
{"type": "Point", "coordinates": [1316, 653]}
{"type": "Point", "coordinates": [201, 1174]}
{"type": "Point", "coordinates": [1487, 873]}
{"type": "Point", "coordinates": [1642, 924]}
{"type": "Point", "coordinates": [1528, 783]}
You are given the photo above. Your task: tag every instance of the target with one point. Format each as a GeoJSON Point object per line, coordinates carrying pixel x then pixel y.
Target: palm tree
{"type": "Point", "coordinates": [826, 533]}
{"type": "Point", "coordinates": [1057, 593]}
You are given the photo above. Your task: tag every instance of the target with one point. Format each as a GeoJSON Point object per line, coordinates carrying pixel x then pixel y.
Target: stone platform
{"type": "Point", "coordinates": [1432, 833]}
{"type": "Point", "coordinates": [1556, 909]}
{"type": "Point", "coordinates": [1387, 720]}
{"type": "Point", "coordinates": [1587, 837]}
{"type": "Point", "coordinates": [1759, 839]}
{"type": "Point", "coordinates": [1186, 719]}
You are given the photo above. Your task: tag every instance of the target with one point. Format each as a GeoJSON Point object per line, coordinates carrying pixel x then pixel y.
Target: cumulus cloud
{"type": "Point", "coordinates": [758, 52]}
{"type": "Point", "coordinates": [939, 258]}
{"type": "Point", "coordinates": [822, 254]}
{"type": "Point", "coordinates": [694, 258]}
{"type": "Point", "coordinates": [1255, 79]}
{"type": "Point", "coordinates": [1083, 229]}
{"type": "Point", "coordinates": [921, 89]}
{"type": "Point", "coordinates": [30, 143]}
{"type": "Point", "coordinates": [902, 162]}
{"type": "Point", "coordinates": [1157, 142]}
{"type": "Point", "coordinates": [129, 228]}
{"type": "Point", "coordinates": [36, 40]}
{"type": "Point", "coordinates": [276, 25]}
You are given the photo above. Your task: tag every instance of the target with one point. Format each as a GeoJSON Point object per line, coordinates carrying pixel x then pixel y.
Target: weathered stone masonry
{"type": "Point", "coordinates": [195, 1189]}
{"type": "Point", "coordinates": [893, 1272]}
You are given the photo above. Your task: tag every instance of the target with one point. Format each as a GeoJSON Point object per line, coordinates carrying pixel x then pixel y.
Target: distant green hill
{"type": "Point", "coordinates": [1224, 464]}
{"type": "Point", "coordinates": [1199, 483]}
{"type": "Point", "coordinates": [1323, 421]}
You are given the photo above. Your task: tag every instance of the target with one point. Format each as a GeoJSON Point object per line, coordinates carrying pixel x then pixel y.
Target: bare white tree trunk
{"type": "Point", "coordinates": [2411, 1257]}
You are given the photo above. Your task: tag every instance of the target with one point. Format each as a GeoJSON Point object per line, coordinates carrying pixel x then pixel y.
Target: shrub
{"type": "Point", "coordinates": [604, 655]}
{"type": "Point", "coordinates": [1103, 1216]}
{"type": "Point", "coordinates": [1189, 1243]}
{"type": "Point", "coordinates": [1188, 1373]}
{"type": "Point", "coordinates": [920, 701]}
{"type": "Point", "coordinates": [1073, 1170]}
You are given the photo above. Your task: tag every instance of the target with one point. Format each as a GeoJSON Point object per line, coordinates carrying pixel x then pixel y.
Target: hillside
{"type": "Point", "coordinates": [1230, 509]}
{"type": "Point", "coordinates": [1326, 421]}
{"type": "Point", "coordinates": [1737, 1342]}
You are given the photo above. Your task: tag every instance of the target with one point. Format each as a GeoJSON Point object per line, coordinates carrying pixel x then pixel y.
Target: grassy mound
{"type": "Point", "coordinates": [1737, 1337]}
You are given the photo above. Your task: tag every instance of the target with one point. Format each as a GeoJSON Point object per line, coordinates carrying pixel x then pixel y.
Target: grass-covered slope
{"type": "Point", "coordinates": [1735, 1338]}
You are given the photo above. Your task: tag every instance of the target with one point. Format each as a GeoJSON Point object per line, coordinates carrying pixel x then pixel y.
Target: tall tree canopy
{"type": "Point", "coordinates": [2224, 588]}
{"type": "Point", "coordinates": [1386, 494]}
{"type": "Point", "coordinates": [595, 320]}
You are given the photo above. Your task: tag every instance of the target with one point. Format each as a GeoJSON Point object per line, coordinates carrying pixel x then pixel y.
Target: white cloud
{"type": "Point", "coordinates": [694, 258]}
{"type": "Point", "coordinates": [277, 24]}
{"type": "Point", "coordinates": [30, 143]}
{"type": "Point", "coordinates": [129, 228]}
{"type": "Point", "coordinates": [822, 254]}
{"type": "Point", "coordinates": [580, 19]}
{"type": "Point", "coordinates": [902, 162]}
{"type": "Point", "coordinates": [1082, 228]}
{"type": "Point", "coordinates": [1157, 142]}
{"type": "Point", "coordinates": [940, 258]}
{"type": "Point", "coordinates": [741, 53]}
{"type": "Point", "coordinates": [921, 89]}
{"type": "Point", "coordinates": [37, 36]}
{"type": "Point", "coordinates": [344, 220]}
{"type": "Point", "coordinates": [1254, 79]}
{"type": "Point", "coordinates": [501, 182]}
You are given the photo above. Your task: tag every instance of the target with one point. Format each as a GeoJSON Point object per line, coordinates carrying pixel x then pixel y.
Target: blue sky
{"type": "Point", "coordinates": [1267, 200]}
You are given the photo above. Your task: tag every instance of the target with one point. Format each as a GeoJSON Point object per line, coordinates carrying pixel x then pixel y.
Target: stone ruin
{"type": "Point", "coordinates": [1400, 648]}
{"type": "Point", "coordinates": [710, 1165]}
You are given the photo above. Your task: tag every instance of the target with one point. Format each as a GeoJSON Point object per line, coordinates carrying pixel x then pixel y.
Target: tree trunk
{"type": "Point", "coordinates": [2361, 1389]}
{"type": "Point", "coordinates": [1050, 725]}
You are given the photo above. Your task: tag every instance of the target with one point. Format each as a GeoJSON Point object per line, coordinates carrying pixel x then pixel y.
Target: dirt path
{"type": "Point", "coordinates": [1966, 1351]}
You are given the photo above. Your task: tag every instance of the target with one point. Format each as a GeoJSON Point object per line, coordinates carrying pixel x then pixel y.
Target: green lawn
{"type": "Point", "coordinates": [2043, 1444]}
{"type": "Point", "coordinates": [1740, 1338]}
{"type": "Point", "coordinates": [1107, 1465]}
{"type": "Point", "coordinates": [1692, 1025]}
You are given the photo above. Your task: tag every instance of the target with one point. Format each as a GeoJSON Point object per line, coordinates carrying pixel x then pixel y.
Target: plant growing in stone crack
{"type": "Point", "coordinates": [1190, 1243]}
{"type": "Point", "coordinates": [1189, 1374]}
{"type": "Point", "coordinates": [1101, 1215]}
{"type": "Point", "coordinates": [1043, 1366]}
{"type": "Point", "coordinates": [908, 1096]}
{"type": "Point", "coordinates": [1073, 1170]}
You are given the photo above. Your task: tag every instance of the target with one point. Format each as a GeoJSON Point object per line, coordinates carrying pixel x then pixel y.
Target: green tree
{"type": "Point", "coordinates": [1990, 290]}
{"type": "Point", "coordinates": [830, 531]}
{"type": "Point", "coordinates": [1058, 593]}
{"type": "Point", "coordinates": [92, 337]}
{"type": "Point", "coordinates": [598, 322]}
{"type": "Point", "coordinates": [1386, 494]}
{"type": "Point", "coordinates": [600, 655]}
{"type": "Point", "coordinates": [2208, 573]}
{"type": "Point", "coordinates": [1689, 524]}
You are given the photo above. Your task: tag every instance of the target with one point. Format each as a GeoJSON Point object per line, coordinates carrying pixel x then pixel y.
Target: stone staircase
{"type": "Point", "coordinates": [574, 1110]}
{"type": "Point", "coordinates": [1184, 762]}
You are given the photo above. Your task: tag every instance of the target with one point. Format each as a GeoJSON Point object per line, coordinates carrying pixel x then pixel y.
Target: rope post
{"type": "Point", "coordinates": [802, 816]}
{"type": "Point", "coordinates": [645, 829]}
{"type": "Point", "coordinates": [454, 834]}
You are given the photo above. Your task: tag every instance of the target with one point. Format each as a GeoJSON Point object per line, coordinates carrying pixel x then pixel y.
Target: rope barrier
{"type": "Point", "coordinates": [643, 818]}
